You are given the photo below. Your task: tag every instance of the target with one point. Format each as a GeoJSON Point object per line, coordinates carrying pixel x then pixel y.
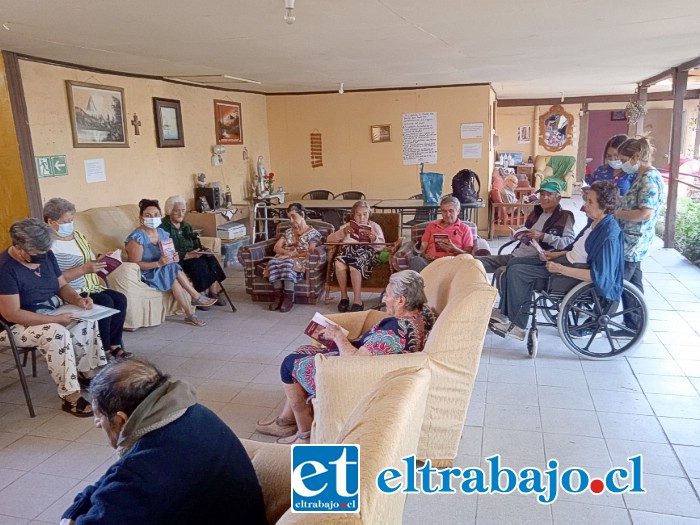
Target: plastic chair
{"type": "Point", "coordinates": [351, 196]}
{"type": "Point", "coordinates": [318, 195]}
{"type": "Point", "coordinates": [420, 215]}
{"type": "Point", "coordinates": [20, 370]}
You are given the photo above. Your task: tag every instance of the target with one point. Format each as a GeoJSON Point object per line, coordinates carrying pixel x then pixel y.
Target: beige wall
{"type": "Point", "coordinates": [142, 169]}
{"type": "Point", "coordinates": [350, 160]}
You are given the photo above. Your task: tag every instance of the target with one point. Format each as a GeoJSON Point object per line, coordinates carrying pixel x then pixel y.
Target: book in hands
{"type": "Point", "coordinates": [360, 232]}
{"type": "Point", "coordinates": [167, 248]}
{"type": "Point", "coordinates": [319, 323]}
{"type": "Point", "coordinates": [519, 235]}
{"type": "Point", "coordinates": [439, 239]}
{"type": "Point", "coordinates": [112, 261]}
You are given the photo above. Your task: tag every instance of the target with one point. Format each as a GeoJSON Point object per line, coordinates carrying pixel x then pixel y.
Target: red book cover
{"type": "Point", "coordinates": [112, 262]}
{"type": "Point", "coordinates": [167, 248]}
{"type": "Point", "coordinates": [439, 238]}
{"type": "Point", "coordinates": [317, 325]}
{"type": "Point", "coordinates": [360, 232]}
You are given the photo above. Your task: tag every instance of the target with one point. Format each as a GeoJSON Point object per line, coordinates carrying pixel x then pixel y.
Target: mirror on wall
{"type": "Point", "coordinates": [556, 129]}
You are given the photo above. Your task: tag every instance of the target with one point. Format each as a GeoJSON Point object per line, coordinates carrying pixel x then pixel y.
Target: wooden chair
{"type": "Point", "coordinates": [318, 195]}
{"type": "Point", "coordinates": [390, 225]}
{"type": "Point", "coordinates": [351, 196]}
{"type": "Point", "coordinates": [503, 216]}
{"type": "Point", "coordinates": [20, 366]}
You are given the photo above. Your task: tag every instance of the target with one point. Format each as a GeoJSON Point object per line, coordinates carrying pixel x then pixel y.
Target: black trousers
{"type": "Point", "coordinates": [112, 327]}
{"type": "Point", "coordinates": [203, 271]}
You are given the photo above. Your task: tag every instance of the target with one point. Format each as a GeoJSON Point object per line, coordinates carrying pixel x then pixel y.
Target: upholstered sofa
{"type": "Point", "coordinates": [459, 290]}
{"type": "Point", "coordinates": [385, 421]}
{"type": "Point", "coordinates": [106, 230]}
{"type": "Point", "coordinates": [543, 170]}
{"type": "Point", "coordinates": [307, 290]}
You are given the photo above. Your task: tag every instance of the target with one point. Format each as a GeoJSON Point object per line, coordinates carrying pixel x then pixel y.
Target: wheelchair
{"type": "Point", "coordinates": [589, 325]}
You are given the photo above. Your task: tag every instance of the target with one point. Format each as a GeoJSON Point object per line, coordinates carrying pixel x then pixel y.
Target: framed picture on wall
{"type": "Point", "coordinates": [524, 135]}
{"type": "Point", "coordinates": [618, 115]}
{"type": "Point", "coordinates": [229, 123]}
{"type": "Point", "coordinates": [380, 133]}
{"type": "Point", "coordinates": [97, 115]}
{"type": "Point", "coordinates": [168, 117]}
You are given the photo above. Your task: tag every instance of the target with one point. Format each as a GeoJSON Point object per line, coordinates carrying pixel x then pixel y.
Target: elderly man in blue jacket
{"type": "Point", "coordinates": [178, 462]}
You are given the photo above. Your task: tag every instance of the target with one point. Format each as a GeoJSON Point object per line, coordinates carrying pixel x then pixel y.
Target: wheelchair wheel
{"type": "Point", "coordinates": [532, 342]}
{"type": "Point", "coordinates": [594, 328]}
{"type": "Point", "coordinates": [548, 307]}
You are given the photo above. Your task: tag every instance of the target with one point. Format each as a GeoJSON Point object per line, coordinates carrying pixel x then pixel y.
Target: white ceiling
{"type": "Point", "coordinates": [525, 48]}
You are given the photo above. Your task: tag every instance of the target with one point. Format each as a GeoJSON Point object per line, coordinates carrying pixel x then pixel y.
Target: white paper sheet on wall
{"type": "Point", "coordinates": [95, 170]}
{"type": "Point", "coordinates": [420, 138]}
{"type": "Point", "coordinates": [471, 151]}
{"type": "Point", "coordinates": [472, 130]}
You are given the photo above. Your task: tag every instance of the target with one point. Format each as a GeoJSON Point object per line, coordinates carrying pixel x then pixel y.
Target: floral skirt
{"type": "Point", "coordinates": [299, 366]}
{"type": "Point", "coordinates": [360, 256]}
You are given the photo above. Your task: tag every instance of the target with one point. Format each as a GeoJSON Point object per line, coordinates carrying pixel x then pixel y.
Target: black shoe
{"type": "Point", "coordinates": [625, 334]}
{"type": "Point", "coordinates": [583, 333]}
{"type": "Point", "coordinates": [357, 307]}
{"type": "Point", "coordinates": [343, 305]}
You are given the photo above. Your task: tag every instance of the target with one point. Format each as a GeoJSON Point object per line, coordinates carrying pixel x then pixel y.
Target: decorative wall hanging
{"type": "Point", "coordinates": [556, 129]}
{"type": "Point", "coordinates": [229, 123]}
{"type": "Point", "coordinates": [168, 118]}
{"type": "Point", "coordinates": [634, 110]}
{"type": "Point", "coordinates": [380, 133]}
{"type": "Point", "coordinates": [316, 149]}
{"type": "Point", "coordinates": [618, 115]}
{"type": "Point", "coordinates": [97, 115]}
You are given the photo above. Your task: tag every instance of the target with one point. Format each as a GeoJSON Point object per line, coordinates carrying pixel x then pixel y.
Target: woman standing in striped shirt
{"type": "Point", "coordinates": [79, 267]}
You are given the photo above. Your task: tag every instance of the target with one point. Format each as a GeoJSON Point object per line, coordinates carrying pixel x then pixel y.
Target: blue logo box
{"type": "Point", "coordinates": [325, 478]}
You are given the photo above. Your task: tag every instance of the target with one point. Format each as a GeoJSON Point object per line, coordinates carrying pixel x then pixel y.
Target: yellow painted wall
{"type": "Point", "coordinates": [13, 194]}
{"type": "Point", "coordinates": [142, 169]}
{"type": "Point", "coordinates": [350, 160]}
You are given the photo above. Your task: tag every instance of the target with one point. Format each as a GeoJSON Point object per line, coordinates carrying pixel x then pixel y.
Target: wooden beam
{"type": "Point", "coordinates": [641, 99]}
{"type": "Point", "coordinates": [582, 143]}
{"type": "Point", "coordinates": [24, 135]}
{"type": "Point", "coordinates": [656, 78]}
{"type": "Point", "coordinates": [690, 64]}
{"type": "Point", "coordinates": [680, 85]}
{"type": "Point", "coordinates": [696, 148]}
{"type": "Point", "coordinates": [596, 99]}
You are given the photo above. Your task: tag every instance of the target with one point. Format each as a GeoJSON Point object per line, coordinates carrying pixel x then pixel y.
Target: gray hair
{"type": "Point", "coordinates": [32, 235]}
{"type": "Point", "coordinates": [451, 199]}
{"type": "Point", "coordinates": [172, 201]}
{"type": "Point", "coordinates": [122, 385]}
{"type": "Point", "coordinates": [409, 284]}
{"type": "Point", "coordinates": [56, 208]}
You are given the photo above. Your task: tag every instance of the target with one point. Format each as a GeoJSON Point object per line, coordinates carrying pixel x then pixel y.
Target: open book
{"type": "Point", "coordinates": [95, 313]}
{"type": "Point", "coordinates": [438, 239]}
{"type": "Point", "coordinates": [519, 235]}
{"type": "Point", "coordinates": [360, 232]}
{"type": "Point", "coordinates": [167, 248]}
{"type": "Point", "coordinates": [318, 323]}
{"type": "Point", "coordinates": [112, 261]}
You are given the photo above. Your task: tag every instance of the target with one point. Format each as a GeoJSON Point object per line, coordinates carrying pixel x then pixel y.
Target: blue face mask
{"type": "Point", "coordinates": [615, 164]}
{"type": "Point", "coordinates": [151, 222]}
{"type": "Point", "coordinates": [629, 168]}
{"type": "Point", "coordinates": [65, 230]}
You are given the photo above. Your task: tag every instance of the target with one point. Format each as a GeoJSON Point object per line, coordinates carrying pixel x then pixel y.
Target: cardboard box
{"type": "Point", "coordinates": [230, 230]}
{"type": "Point", "coordinates": [209, 221]}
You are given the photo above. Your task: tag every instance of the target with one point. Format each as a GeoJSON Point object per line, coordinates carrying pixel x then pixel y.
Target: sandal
{"type": "Point", "coordinates": [120, 353]}
{"type": "Point", "coordinates": [78, 408]}
{"type": "Point", "coordinates": [203, 300]}
{"type": "Point", "coordinates": [277, 427]}
{"type": "Point", "coordinates": [343, 305]}
{"type": "Point", "coordinates": [300, 438]}
{"type": "Point", "coordinates": [84, 381]}
{"type": "Point", "coordinates": [194, 321]}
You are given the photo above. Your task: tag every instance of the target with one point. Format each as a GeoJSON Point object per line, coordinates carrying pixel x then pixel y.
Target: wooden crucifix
{"type": "Point", "coordinates": [137, 124]}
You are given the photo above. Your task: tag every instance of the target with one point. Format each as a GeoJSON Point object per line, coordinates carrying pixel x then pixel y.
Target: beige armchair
{"type": "Point", "coordinates": [106, 229]}
{"type": "Point", "coordinates": [543, 171]}
{"type": "Point", "coordinates": [458, 288]}
{"type": "Point", "coordinates": [385, 422]}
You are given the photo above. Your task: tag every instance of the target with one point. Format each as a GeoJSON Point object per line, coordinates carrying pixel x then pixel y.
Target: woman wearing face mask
{"type": "Point", "coordinates": [611, 169]}
{"type": "Point", "coordinates": [80, 266]}
{"type": "Point", "coordinates": [638, 213]}
{"type": "Point", "coordinates": [32, 287]}
{"type": "Point", "coordinates": [157, 269]}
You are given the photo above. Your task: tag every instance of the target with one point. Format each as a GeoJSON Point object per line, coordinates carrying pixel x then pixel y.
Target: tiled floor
{"type": "Point", "coordinates": [583, 413]}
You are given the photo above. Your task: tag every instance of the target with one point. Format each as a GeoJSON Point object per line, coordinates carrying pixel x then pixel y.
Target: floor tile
{"type": "Point", "coordinates": [682, 431]}
{"type": "Point", "coordinates": [77, 460]}
{"type": "Point", "coordinates": [512, 508]}
{"type": "Point", "coordinates": [659, 367]}
{"type": "Point", "coordinates": [30, 451]}
{"type": "Point", "coordinates": [657, 458]}
{"type": "Point", "coordinates": [569, 421]}
{"type": "Point", "coordinates": [628, 403]}
{"type": "Point", "coordinates": [690, 458]}
{"type": "Point", "coordinates": [30, 495]}
{"type": "Point", "coordinates": [511, 394]}
{"type": "Point", "coordinates": [618, 381]}
{"type": "Point", "coordinates": [563, 397]}
{"type": "Point", "coordinates": [667, 495]}
{"type": "Point", "coordinates": [571, 513]}
{"type": "Point", "coordinates": [511, 374]}
{"type": "Point", "coordinates": [675, 406]}
{"type": "Point", "coordinates": [513, 417]}
{"type": "Point", "coordinates": [577, 450]}
{"type": "Point", "coordinates": [675, 385]}
{"type": "Point", "coordinates": [519, 444]}
{"type": "Point", "coordinates": [548, 376]}
{"type": "Point", "coordinates": [640, 517]}
{"type": "Point", "coordinates": [631, 427]}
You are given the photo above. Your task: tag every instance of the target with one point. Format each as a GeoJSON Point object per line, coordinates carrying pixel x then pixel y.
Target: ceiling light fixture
{"type": "Point", "coordinates": [6, 26]}
{"type": "Point", "coordinates": [289, 11]}
{"type": "Point", "coordinates": [341, 89]}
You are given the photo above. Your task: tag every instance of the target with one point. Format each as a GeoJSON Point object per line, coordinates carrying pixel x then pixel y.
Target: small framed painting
{"type": "Point", "coordinates": [618, 115]}
{"type": "Point", "coordinates": [168, 118]}
{"type": "Point", "coordinates": [97, 115]}
{"type": "Point", "coordinates": [227, 117]}
{"type": "Point", "coordinates": [380, 133]}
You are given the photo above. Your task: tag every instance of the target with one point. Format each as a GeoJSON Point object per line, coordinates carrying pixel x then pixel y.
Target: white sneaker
{"type": "Point", "coordinates": [497, 316]}
{"type": "Point", "coordinates": [510, 330]}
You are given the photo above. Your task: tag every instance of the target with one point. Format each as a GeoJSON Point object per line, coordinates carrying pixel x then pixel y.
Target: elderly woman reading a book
{"type": "Point", "coordinates": [153, 250]}
{"type": "Point", "coordinates": [82, 269]}
{"type": "Point", "coordinates": [31, 289]}
{"type": "Point", "coordinates": [200, 266]}
{"type": "Point", "coordinates": [404, 330]}
{"type": "Point", "coordinates": [362, 240]}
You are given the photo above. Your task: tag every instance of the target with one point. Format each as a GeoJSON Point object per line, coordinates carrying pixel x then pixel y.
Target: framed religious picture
{"type": "Point", "coordinates": [229, 123]}
{"type": "Point", "coordinates": [618, 115]}
{"type": "Point", "coordinates": [168, 117]}
{"type": "Point", "coordinates": [97, 115]}
{"type": "Point", "coordinates": [380, 133]}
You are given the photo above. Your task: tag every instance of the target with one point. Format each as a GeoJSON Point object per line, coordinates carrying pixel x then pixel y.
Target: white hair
{"type": "Point", "coordinates": [172, 201]}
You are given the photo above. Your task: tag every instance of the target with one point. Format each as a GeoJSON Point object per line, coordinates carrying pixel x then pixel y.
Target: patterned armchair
{"type": "Point", "coordinates": [308, 290]}
{"type": "Point", "coordinates": [543, 170]}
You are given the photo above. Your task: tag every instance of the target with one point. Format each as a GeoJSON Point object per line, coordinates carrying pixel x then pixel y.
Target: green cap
{"type": "Point", "coordinates": [552, 185]}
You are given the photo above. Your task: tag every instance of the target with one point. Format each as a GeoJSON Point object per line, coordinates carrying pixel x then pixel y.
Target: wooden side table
{"type": "Point", "coordinates": [526, 170]}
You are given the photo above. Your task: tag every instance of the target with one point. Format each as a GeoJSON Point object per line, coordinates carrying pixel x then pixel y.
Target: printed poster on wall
{"type": "Point", "coordinates": [471, 151]}
{"type": "Point", "coordinates": [420, 138]}
{"type": "Point", "coordinates": [471, 130]}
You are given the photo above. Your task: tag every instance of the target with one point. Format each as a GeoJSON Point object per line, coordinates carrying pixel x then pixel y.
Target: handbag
{"type": "Point", "coordinates": [431, 185]}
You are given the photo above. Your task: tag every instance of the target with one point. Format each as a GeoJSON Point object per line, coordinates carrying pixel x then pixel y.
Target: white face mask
{"type": "Point", "coordinates": [629, 168]}
{"type": "Point", "coordinates": [151, 222]}
{"type": "Point", "coordinates": [615, 164]}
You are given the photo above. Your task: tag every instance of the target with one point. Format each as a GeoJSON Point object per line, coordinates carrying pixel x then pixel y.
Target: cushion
{"type": "Point", "coordinates": [272, 463]}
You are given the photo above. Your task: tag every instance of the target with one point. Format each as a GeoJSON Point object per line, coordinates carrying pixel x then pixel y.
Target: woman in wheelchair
{"type": "Point", "coordinates": [595, 256]}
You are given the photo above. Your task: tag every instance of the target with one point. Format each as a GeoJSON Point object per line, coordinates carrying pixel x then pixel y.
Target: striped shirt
{"type": "Point", "coordinates": [75, 252]}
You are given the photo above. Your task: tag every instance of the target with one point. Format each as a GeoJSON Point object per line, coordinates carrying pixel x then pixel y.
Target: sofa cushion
{"type": "Point", "coordinates": [107, 228]}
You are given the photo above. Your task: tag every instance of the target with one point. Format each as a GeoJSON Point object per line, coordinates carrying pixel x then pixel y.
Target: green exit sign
{"type": "Point", "coordinates": [52, 166]}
